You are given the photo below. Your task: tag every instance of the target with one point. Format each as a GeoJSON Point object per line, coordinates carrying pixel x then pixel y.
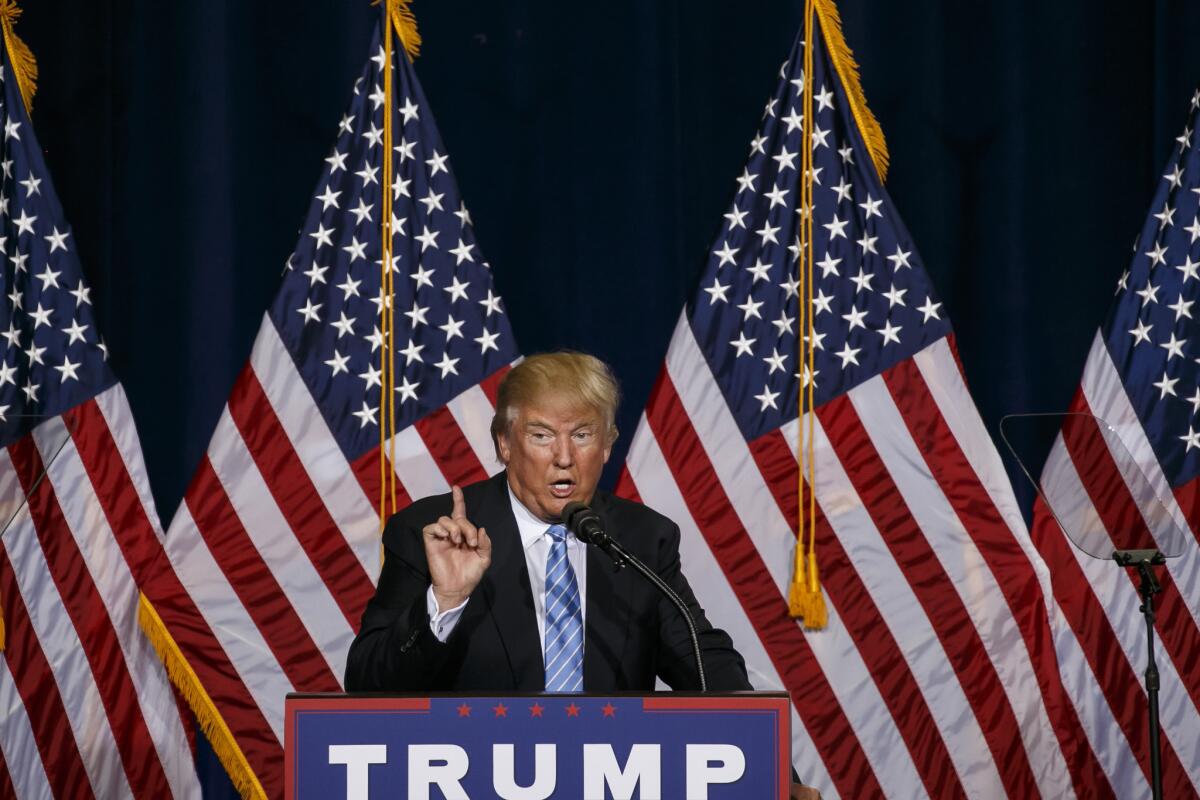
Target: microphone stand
{"type": "Point", "coordinates": [588, 530]}
{"type": "Point", "coordinates": [1148, 587]}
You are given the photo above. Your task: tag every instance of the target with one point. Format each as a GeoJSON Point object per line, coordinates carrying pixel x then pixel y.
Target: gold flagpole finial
{"type": "Point", "coordinates": [24, 65]}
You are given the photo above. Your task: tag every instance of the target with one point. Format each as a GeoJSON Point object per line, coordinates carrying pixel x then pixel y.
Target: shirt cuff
{"type": "Point", "coordinates": [442, 623]}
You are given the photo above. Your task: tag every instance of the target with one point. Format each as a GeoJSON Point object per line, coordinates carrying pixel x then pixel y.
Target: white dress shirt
{"type": "Point", "coordinates": [536, 545]}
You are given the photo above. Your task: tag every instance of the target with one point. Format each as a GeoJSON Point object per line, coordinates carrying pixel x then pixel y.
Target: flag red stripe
{"type": "Point", "coordinates": [766, 609]}
{"type": "Point", "coordinates": [6, 785]}
{"type": "Point", "coordinates": [91, 622]}
{"type": "Point", "coordinates": [297, 497]}
{"type": "Point", "coordinates": [450, 449]}
{"type": "Point", "coordinates": [776, 460]}
{"type": "Point", "coordinates": [1098, 474]}
{"type": "Point", "coordinates": [366, 472]}
{"type": "Point", "coordinates": [110, 480]}
{"type": "Point", "coordinates": [491, 384]}
{"type": "Point", "coordinates": [1113, 672]}
{"type": "Point", "coordinates": [39, 692]}
{"type": "Point", "coordinates": [127, 518]}
{"type": "Point", "coordinates": [951, 623]}
{"type": "Point", "coordinates": [1110, 496]}
{"type": "Point", "coordinates": [251, 579]}
{"type": "Point", "coordinates": [626, 487]}
{"type": "Point", "coordinates": [1009, 564]}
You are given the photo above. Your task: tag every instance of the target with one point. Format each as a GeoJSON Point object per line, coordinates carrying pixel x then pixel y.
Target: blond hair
{"type": "Point", "coordinates": [579, 377]}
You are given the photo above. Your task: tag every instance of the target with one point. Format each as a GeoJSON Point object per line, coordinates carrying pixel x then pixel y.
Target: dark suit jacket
{"type": "Point", "coordinates": [633, 634]}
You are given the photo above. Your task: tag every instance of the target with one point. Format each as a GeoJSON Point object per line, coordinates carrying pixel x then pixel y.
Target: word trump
{"type": "Point", "coordinates": [445, 766]}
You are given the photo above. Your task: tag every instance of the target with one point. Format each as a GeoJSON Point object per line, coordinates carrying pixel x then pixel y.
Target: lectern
{"type": "Point", "coordinates": [535, 746]}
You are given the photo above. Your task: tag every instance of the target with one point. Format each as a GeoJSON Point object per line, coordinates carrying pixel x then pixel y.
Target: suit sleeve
{"type": "Point", "coordinates": [723, 665]}
{"type": "Point", "coordinates": [395, 650]}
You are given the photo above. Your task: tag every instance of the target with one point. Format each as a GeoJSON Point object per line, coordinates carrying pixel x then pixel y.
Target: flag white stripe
{"type": "Point", "coordinates": [276, 543]}
{"type": "Point", "coordinates": [650, 474]}
{"type": "Point", "coordinates": [65, 654]}
{"type": "Point", "coordinates": [21, 756]}
{"type": "Point", "coordinates": [1107, 399]}
{"type": "Point", "coordinates": [730, 456]}
{"type": "Point", "coordinates": [415, 467]}
{"type": "Point", "coordinates": [473, 412]}
{"type": "Point", "coordinates": [118, 592]}
{"type": "Point", "coordinates": [318, 451]}
{"type": "Point", "coordinates": [1104, 733]}
{"type": "Point", "coordinates": [1121, 603]}
{"type": "Point", "coordinates": [902, 614]}
{"type": "Point", "coordinates": [114, 406]}
{"type": "Point", "coordinates": [969, 575]}
{"type": "Point", "coordinates": [233, 628]}
{"type": "Point", "coordinates": [773, 538]}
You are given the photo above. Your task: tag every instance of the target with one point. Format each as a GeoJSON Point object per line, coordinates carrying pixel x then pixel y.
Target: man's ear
{"type": "Point", "coordinates": [502, 447]}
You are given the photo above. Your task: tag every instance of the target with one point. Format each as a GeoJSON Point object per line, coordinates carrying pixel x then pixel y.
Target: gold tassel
{"type": "Point", "coordinates": [847, 69]}
{"type": "Point", "coordinates": [812, 602]}
{"type": "Point", "coordinates": [24, 65]}
{"type": "Point", "coordinates": [796, 589]}
{"type": "Point", "coordinates": [181, 674]}
{"type": "Point", "coordinates": [406, 26]}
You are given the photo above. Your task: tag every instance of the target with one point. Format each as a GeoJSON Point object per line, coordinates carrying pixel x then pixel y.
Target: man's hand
{"type": "Point", "coordinates": [804, 793]}
{"type": "Point", "coordinates": [458, 554]}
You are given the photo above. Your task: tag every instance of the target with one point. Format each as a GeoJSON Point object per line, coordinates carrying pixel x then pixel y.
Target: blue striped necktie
{"type": "Point", "coordinates": [564, 619]}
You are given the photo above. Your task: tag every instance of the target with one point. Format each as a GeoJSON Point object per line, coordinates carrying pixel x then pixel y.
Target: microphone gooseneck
{"type": "Point", "coordinates": [589, 529]}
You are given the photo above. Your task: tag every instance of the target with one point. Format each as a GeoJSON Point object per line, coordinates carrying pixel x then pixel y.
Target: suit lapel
{"type": "Point", "coordinates": [607, 618]}
{"type": "Point", "coordinates": [506, 589]}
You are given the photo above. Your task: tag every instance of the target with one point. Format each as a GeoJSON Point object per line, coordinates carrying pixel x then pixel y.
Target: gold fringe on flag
{"type": "Point", "coordinates": [847, 69]}
{"type": "Point", "coordinates": [211, 722]}
{"type": "Point", "coordinates": [405, 24]}
{"type": "Point", "coordinates": [24, 65]}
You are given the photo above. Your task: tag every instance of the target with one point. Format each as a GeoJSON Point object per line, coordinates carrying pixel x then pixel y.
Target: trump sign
{"type": "Point", "coordinates": [538, 747]}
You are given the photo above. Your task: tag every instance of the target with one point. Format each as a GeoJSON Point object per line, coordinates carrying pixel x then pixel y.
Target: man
{"type": "Point", "coordinates": [484, 590]}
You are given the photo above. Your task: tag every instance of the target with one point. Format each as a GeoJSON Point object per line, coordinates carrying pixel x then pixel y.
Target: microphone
{"type": "Point", "coordinates": [588, 528]}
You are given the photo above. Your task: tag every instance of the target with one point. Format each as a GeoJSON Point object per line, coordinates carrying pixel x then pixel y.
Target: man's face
{"type": "Point", "coordinates": [554, 451]}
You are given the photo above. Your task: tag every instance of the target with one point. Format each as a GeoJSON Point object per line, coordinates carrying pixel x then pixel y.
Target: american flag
{"type": "Point", "coordinates": [275, 549]}
{"type": "Point", "coordinates": [1142, 378]}
{"type": "Point", "coordinates": [85, 705]}
{"type": "Point", "coordinates": [936, 675]}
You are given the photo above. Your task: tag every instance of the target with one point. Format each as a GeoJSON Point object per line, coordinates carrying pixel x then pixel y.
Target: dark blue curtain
{"type": "Point", "coordinates": [596, 146]}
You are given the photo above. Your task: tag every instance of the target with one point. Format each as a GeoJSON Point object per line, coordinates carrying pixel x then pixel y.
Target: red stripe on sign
{"type": "Point", "coordinates": [626, 487]}
{"type": "Point", "coordinates": [776, 460]}
{"type": "Point", "coordinates": [297, 497]}
{"type": "Point", "coordinates": [933, 589]}
{"type": "Point", "coordinates": [85, 607]}
{"type": "Point", "coordinates": [1117, 679]}
{"type": "Point", "coordinates": [1009, 564]}
{"type": "Point", "coordinates": [491, 384]}
{"type": "Point", "coordinates": [39, 693]}
{"type": "Point", "coordinates": [127, 518]}
{"type": "Point", "coordinates": [1113, 501]}
{"type": "Point", "coordinates": [761, 601]}
{"type": "Point", "coordinates": [251, 579]}
{"type": "Point", "coordinates": [366, 472]}
{"type": "Point", "coordinates": [450, 449]}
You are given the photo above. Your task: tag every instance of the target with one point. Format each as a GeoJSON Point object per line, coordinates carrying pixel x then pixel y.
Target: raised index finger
{"type": "Point", "coordinates": [460, 506]}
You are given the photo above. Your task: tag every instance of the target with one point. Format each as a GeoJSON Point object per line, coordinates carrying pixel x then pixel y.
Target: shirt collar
{"type": "Point", "coordinates": [529, 526]}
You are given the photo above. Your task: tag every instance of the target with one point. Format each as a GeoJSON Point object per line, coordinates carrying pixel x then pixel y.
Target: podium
{"type": "Point", "coordinates": [538, 746]}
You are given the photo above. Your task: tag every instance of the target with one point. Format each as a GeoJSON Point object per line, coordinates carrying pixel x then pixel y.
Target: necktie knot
{"type": "Point", "coordinates": [557, 532]}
